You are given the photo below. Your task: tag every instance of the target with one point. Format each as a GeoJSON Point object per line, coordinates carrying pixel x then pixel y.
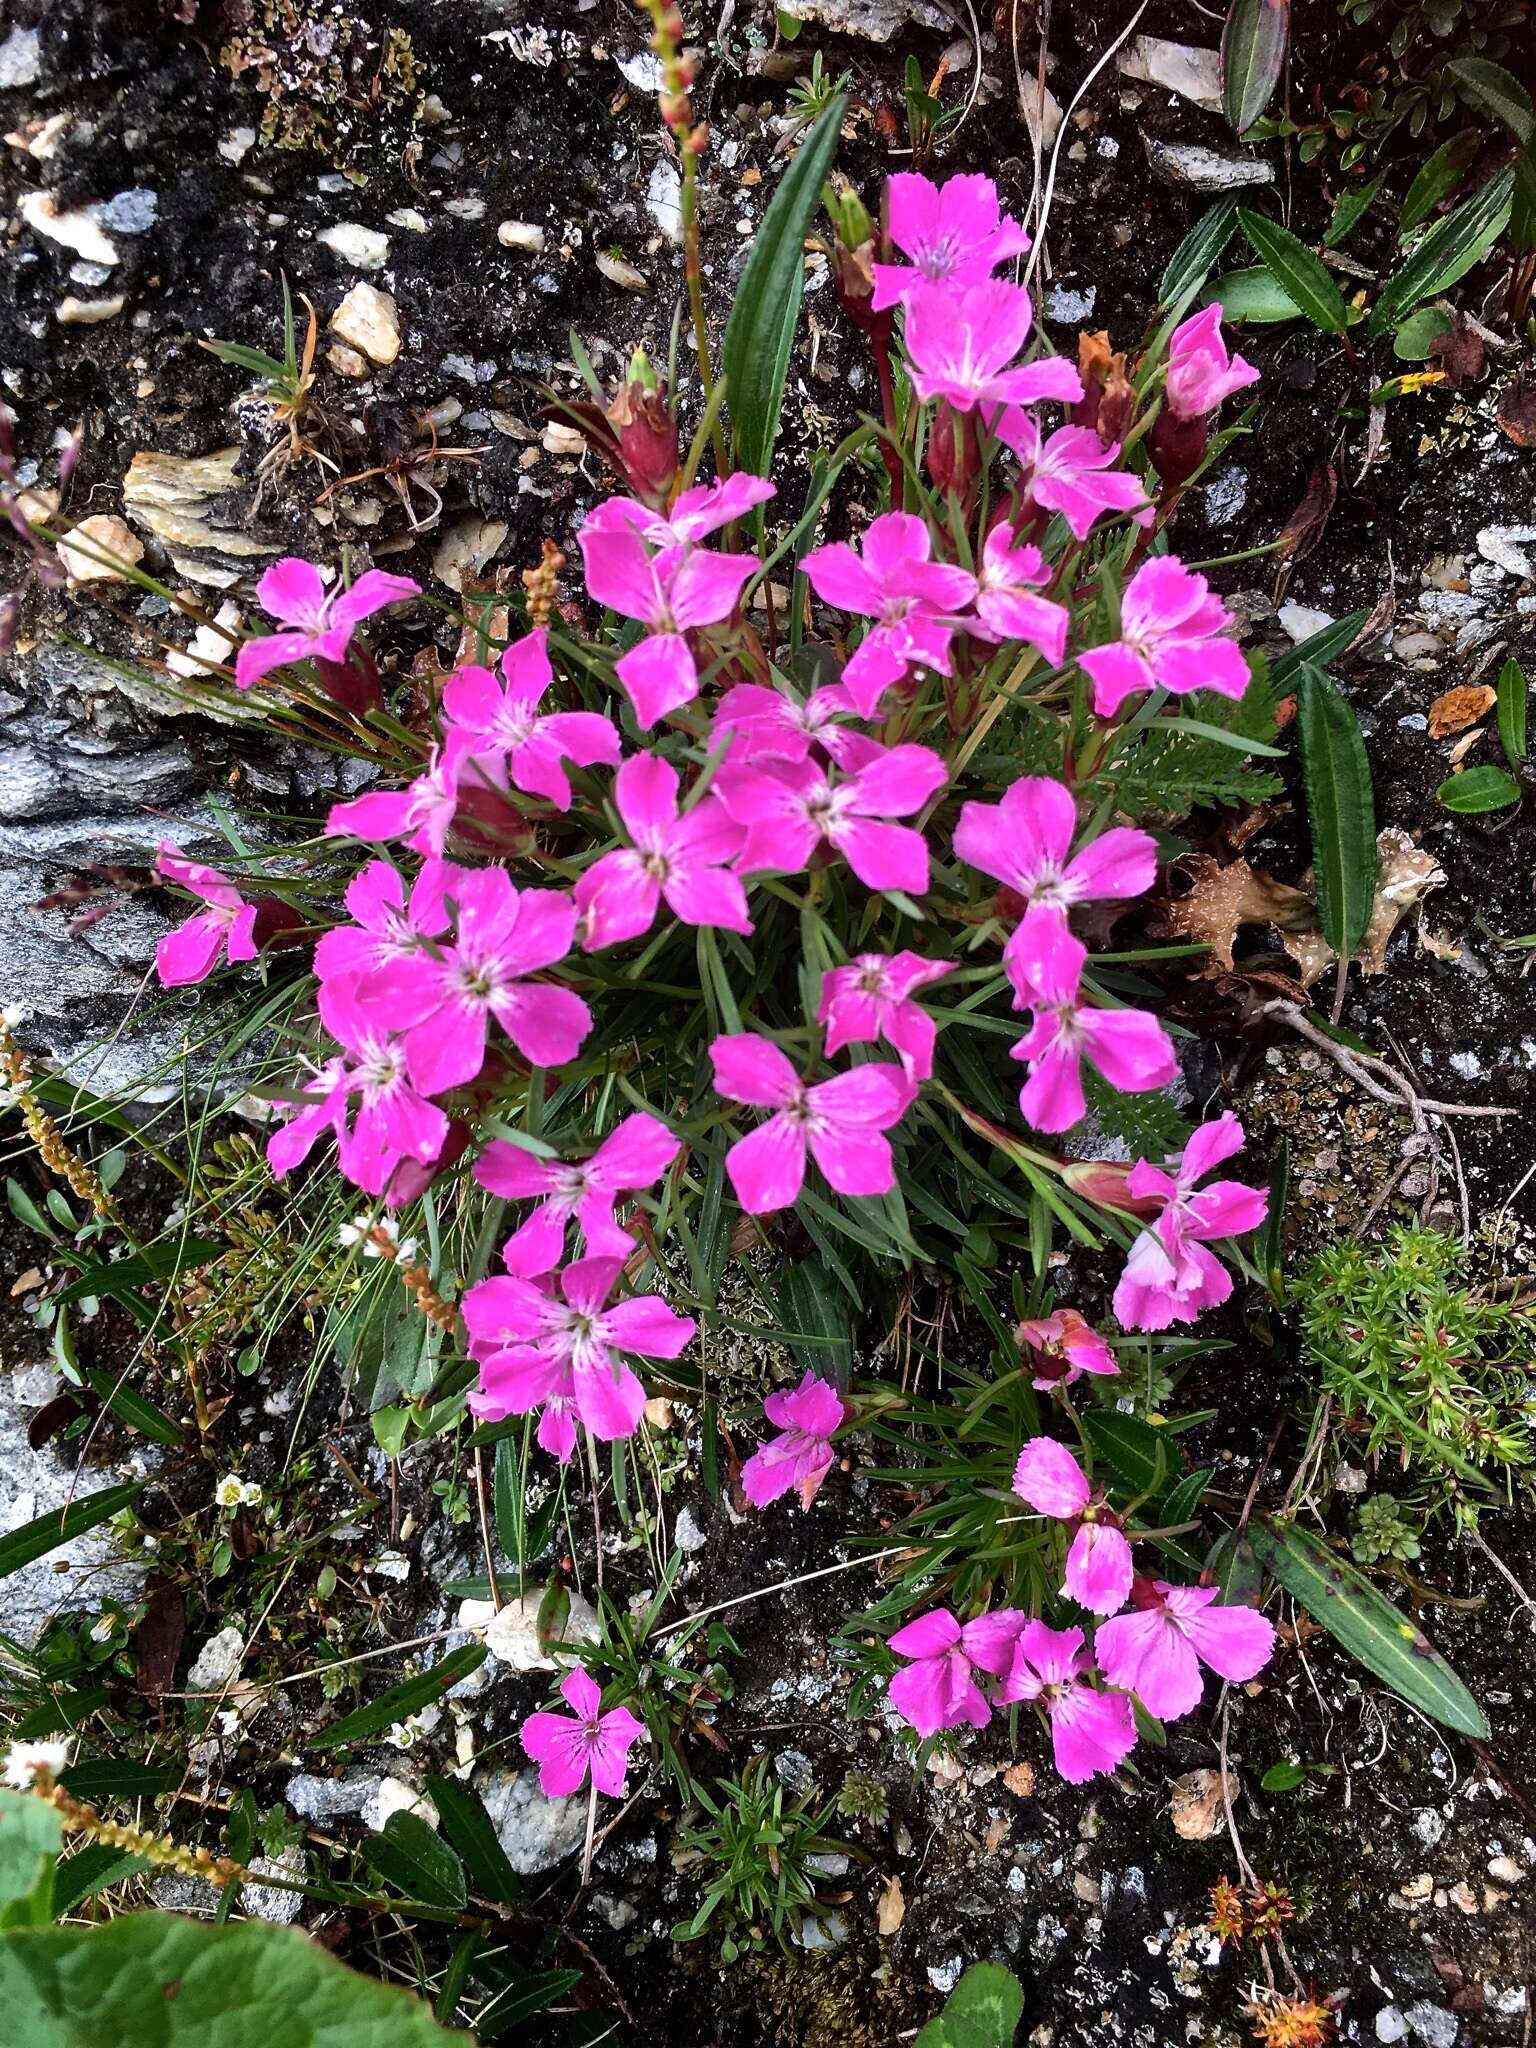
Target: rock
{"type": "Point", "coordinates": [1226, 494]}
{"type": "Point", "coordinates": [368, 321]}
{"type": "Point", "coordinates": [1433, 2024]}
{"type": "Point", "coordinates": [102, 534]}
{"type": "Point", "coordinates": [945, 1976]}
{"type": "Point", "coordinates": [1193, 168]}
{"type": "Point", "coordinates": [237, 145]}
{"type": "Point", "coordinates": [1193, 74]}
{"type": "Point", "coordinates": [409, 218]}
{"type": "Point", "coordinates": [394, 1795]}
{"type": "Point", "coordinates": [1428, 1826]}
{"type": "Point", "coordinates": [265, 1901]}
{"type": "Point", "coordinates": [523, 235]}
{"type": "Point", "coordinates": [664, 200]}
{"type": "Point", "coordinates": [72, 312]}
{"type": "Point", "coordinates": [1195, 1804]}
{"type": "Point", "coordinates": [364, 248]}
{"type": "Point", "coordinates": [878, 21]}
{"type": "Point", "coordinates": [615, 1913]}
{"type": "Point", "coordinates": [824, 1930]}
{"type": "Point", "coordinates": [133, 212]}
{"type": "Point", "coordinates": [794, 1770]}
{"type": "Point", "coordinates": [322, 1800]}
{"type": "Point", "coordinates": [210, 645]}
{"type": "Point", "coordinates": [72, 229]}
{"type": "Point", "coordinates": [623, 274]}
{"type": "Point", "coordinates": [1506, 1869]}
{"type": "Point", "coordinates": [217, 1661]}
{"type": "Point", "coordinates": [1068, 306]}
{"type": "Point", "coordinates": [21, 59]}
{"type": "Point", "coordinates": [346, 362]}
{"type": "Point", "coordinates": [560, 439]}
{"type": "Point", "coordinates": [467, 545]}
{"type": "Point", "coordinates": [512, 1635]}
{"type": "Point", "coordinates": [198, 508]}
{"type": "Point", "coordinates": [536, 1833]}
{"type": "Point", "coordinates": [1501, 545]}
{"type": "Point", "coordinates": [686, 1533]}
{"type": "Point", "coordinates": [1390, 2024]}
{"type": "Point", "coordinates": [1301, 621]}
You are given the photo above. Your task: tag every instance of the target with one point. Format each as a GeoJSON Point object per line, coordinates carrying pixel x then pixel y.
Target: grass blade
{"type": "Point", "coordinates": [1341, 810]}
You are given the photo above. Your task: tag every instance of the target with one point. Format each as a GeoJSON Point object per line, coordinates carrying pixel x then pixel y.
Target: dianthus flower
{"type": "Point", "coordinates": [840, 1122]}
{"type": "Point", "coordinates": [224, 930]}
{"type": "Point", "coordinates": [954, 234]}
{"type": "Point", "coordinates": [789, 809]}
{"type": "Point", "coordinates": [763, 724]}
{"type": "Point", "coordinates": [633, 1155]}
{"type": "Point", "coordinates": [504, 735]}
{"type": "Point", "coordinates": [392, 1122]}
{"type": "Point", "coordinates": [321, 622]}
{"type": "Point", "coordinates": [566, 1750]}
{"type": "Point", "coordinates": [1156, 1651]}
{"type": "Point", "coordinates": [938, 1689]}
{"type": "Point", "coordinates": [1025, 842]}
{"type": "Point", "coordinates": [893, 581]}
{"type": "Point", "coordinates": [1129, 1048]}
{"type": "Point", "coordinates": [1008, 606]}
{"type": "Point", "coordinates": [1173, 636]}
{"type": "Point", "coordinates": [801, 1455]}
{"type": "Point", "coordinates": [1091, 1731]}
{"type": "Point", "coordinates": [695, 514]}
{"type": "Point", "coordinates": [871, 998]}
{"type": "Point", "coordinates": [388, 926]}
{"type": "Point", "coordinates": [1169, 1275]}
{"type": "Point", "coordinates": [961, 344]}
{"type": "Point", "coordinates": [1071, 472]}
{"type": "Point", "coordinates": [1061, 1347]}
{"type": "Point", "coordinates": [1099, 1569]}
{"type": "Point", "coordinates": [672, 859]}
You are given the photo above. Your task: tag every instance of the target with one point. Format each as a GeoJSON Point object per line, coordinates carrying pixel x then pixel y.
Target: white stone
{"type": "Point", "coordinates": [1432, 2023]}
{"type": "Point", "coordinates": [217, 1661]}
{"type": "Point", "coordinates": [209, 646]}
{"type": "Point", "coordinates": [364, 248]}
{"type": "Point", "coordinates": [21, 59]}
{"type": "Point", "coordinates": [390, 1564]}
{"type": "Point", "coordinates": [536, 1833]}
{"type": "Point", "coordinates": [878, 21]}
{"type": "Point", "coordinates": [664, 200]}
{"type": "Point", "coordinates": [394, 1795]}
{"type": "Point", "coordinates": [686, 1533]}
{"type": "Point", "coordinates": [133, 212]}
{"type": "Point", "coordinates": [466, 547]}
{"type": "Point", "coordinates": [102, 533]}
{"type": "Point", "coordinates": [1226, 494]}
{"type": "Point", "coordinates": [1193, 74]}
{"type": "Point", "coordinates": [1196, 169]}
{"type": "Point", "coordinates": [74, 230]}
{"type": "Point", "coordinates": [1301, 621]}
{"type": "Point", "coordinates": [346, 362]}
{"type": "Point", "coordinates": [237, 145]}
{"type": "Point", "coordinates": [322, 1800]}
{"type": "Point", "coordinates": [73, 312]}
{"type": "Point", "coordinates": [1500, 544]}
{"type": "Point", "coordinates": [945, 1976]}
{"type": "Point", "coordinates": [409, 218]}
{"type": "Point", "coordinates": [1064, 304]}
{"type": "Point", "coordinates": [512, 1635]}
{"type": "Point", "coordinates": [521, 234]}
{"type": "Point", "coordinates": [642, 71]}
{"type": "Point", "coordinates": [368, 320]}
{"type": "Point", "coordinates": [1390, 2024]}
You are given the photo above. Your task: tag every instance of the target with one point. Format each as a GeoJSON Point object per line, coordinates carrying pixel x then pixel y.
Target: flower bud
{"type": "Point", "coordinates": [1109, 397]}
{"type": "Point", "coordinates": [954, 457]}
{"type": "Point", "coordinates": [644, 433]}
{"type": "Point", "coordinates": [352, 683]}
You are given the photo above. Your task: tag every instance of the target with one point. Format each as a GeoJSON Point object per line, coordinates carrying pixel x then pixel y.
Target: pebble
{"type": "Point", "coordinates": [72, 312]}
{"type": "Point", "coordinates": [1301, 621]}
{"type": "Point", "coordinates": [1433, 2024]}
{"type": "Point", "coordinates": [106, 532]}
{"type": "Point", "coordinates": [1195, 169]}
{"type": "Point", "coordinates": [664, 200]}
{"type": "Point", "coordinates": [217, 1661]}
{"type": "Point", "coordinates": [536, 1833]}
{"type": "Point", "coordinates": [72, 229]}
{"type": "Point", "coordinates": [470, 207]}
{"type": "Point", "coordinates": [390, 1564]}
{"type": "Point", "coordinates": [686, 1532]}
{"type": "Point", "coordinates": [1428, 1825]}
{"type": "Point", "coordinates": [826, 1930]}
{"type": "Point", "coordinates": [394, 1795]}
{"type": "Point", "coordinates": [346, 362]}
{"type": "Point", "coordinates": [1070, 306]}
{"type": "Point", "coordinates": [523, 235]}
{"type": "Point", "coordinates": [1500, 545]}
{"type": "Point", "coordinates": [1390, 2024]}
{"type": "Point", "coordinates": [237, 145]}
{"type": "Point", "coordinates": [133, 212]}
{"type": "Point", "coordinates": [512, 1634]}
{"type": "Point", "coordinates": [1506, 1869]}
{"type": "Point", "coordinates": [368, 321]}
{"type": "Point", "coordinates": [21, 59]}
{"type": "Point", "coordinates": [467, 545]}
{"type": "Point", "coordinates": [1226, 494]}
{"type": "Point", "coordinates": [945, 1976]}
{"type": "Point", "coordinates": [1193, 74]}
{"type": "Point", "coordinates": [408, 218]}
{"type": "Point", "coordinates": [364, 248]}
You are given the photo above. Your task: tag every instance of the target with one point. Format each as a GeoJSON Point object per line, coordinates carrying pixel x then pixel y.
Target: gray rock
{"type": "Point", "coordinates": [825, 1930]}
{"type": "Point", "coordinates": [81, 1573]}
{"type": "Point", "coordinates": [536, 1833]}
{"type": "Point", "coordinates": [321, 1800]}
{"type": "Point", "coordinates": [196, 1896]}
{"type": "Point", "coordinates": [21, 59]}
{"type": "Point", "coordinates": [1390, 2024]}
{"type": "Point", "coordinates": [1195, 169]}
{"type": "Point", "coordinates": [794, 1770]}
{"type": "Point", "coordinates": [1433, 2024]}
{"type": "Point", "coordinates": [217, 1661]}
{"type": "Point", "coordinates": [878, 21]}
{"type": "Point", "coordinates": [687, 1534]}
{"type": "Point", "coordinates": [130, 213]}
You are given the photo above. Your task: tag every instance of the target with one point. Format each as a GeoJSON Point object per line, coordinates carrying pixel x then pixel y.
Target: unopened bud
{"type": "Point", "coordinates": [698, 140]}
{"type": "Point", "coordinates": [850, 216]}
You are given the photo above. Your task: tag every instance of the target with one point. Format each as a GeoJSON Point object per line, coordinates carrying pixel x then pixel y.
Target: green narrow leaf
{"type": "Point", "coordinates": [1301, 275]}
{"type": "Point", "coordinates": [1349, 210]}
{"type": "Point", "coordinates": [1234, 1570]}
{"type": "Point", "coordinates": [761, 329]}
{"type": "Point", "coordinates": [1321, 648]}
{"type": "Point", "coordinates": [120, 1277]}
{"type": "Point", "coordinates": [1493, 90]}
{"type": "Point", "coordinates": [1448, 251]}
{"type": "Point", "coordinates": [93, 1869]}
{"type": "Point", "coordinates": [35, 1539]}
{"type": "Point", "coordinates": [1184, 1500]}
{"type": "Point", "coordinates": [507, 1498]}
{"type": "Point", "coordinates": [1138, 1450]}
{"type": "Point", "coordinates": [1479, 789]}
{"type": "Point", "coordinates": [1514, 692]}
{"type": "Point", "coordinates": [1366, 1623]}
{"type": "Point", "coordinates": [407, 1854]}
{"type": "Point", "coordinates": [1522, 210]}
{"type": "Point", "coordinates": [1253, 44]}
{"type": "Point", "coordinates": [470, 1829]}
{"type": "Point", "coordinates": [1341, 812]}
{"type": "Point", "coordinates": [130, 1406]}
{"type": "Point", "coordinates": [1253, 296]}
{"type": "Point", "coordinates": [1197, 256]}
{"type": "Point", "coordinates": [1270, 1248]}
{"type": "Point", "coordinates": [401, 1700]}
{"type": "Point", "coordinates": [1437, 178]}
{"type": "Point", "coordinates": [817, 1325]}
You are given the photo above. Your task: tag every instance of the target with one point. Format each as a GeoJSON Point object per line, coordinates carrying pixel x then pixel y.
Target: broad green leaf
{"type": "Point", "coordinates": [120, 1277]}
{"type": "Point", "coordinates": [1350, 208]}
{"type": "Point", "coordinates": [30, 1833]}
{"type": "Point", "coordinates": [1301, 275]}
{"type": "Point", "coordinates": [1196, 256]}
{"type": "Point", "coordinates": [1253, 43]}
{"type": "Point", "coordinates": [816, 1321]}
{"type": "Point", "coordinates": [1437, 178]}
{"type": "Point", "coordinates": [1284, 1776]}
{"type": "Point", "coordinates": [1447, 252]}
{"type": "Point", "coordinates": [1479, 789]}
{"type": "Point", "coordinates": [1419, 332]}
{"type": "Point", "coordinates": [470, 1829]}
{"type": "Point", "coordinates": [983, 2011]}
{"type": "Point", "coordinates": [156, 1980]}
{"type": "Point", "coordinates": [99, 1778]}
{"type": "Point", "coordinates": [1514, 693]}
{"type": "Point", "coordinates": [1366, 1623]}
{"type": "Point", "coordinates": [409, 1855]}
{"type": "Point", "coordinates": [1254, 296]}
{"type": "Point", "coordinates": [1341, 811]}
{"type": "Point", "coordinates": [401, 1700]}
{"type": "Point", "coordinates": [761, 329]}
{"type": "Point", "coordinates": [1493, 90]}
{"type": "Point", "coordinates": [35, 1539]}
{"type": "Point", "coordinates": [93, 1869]}
{"type": "Point", "coordinates": [1235, 1570]}
{"type": "Point", "coordinates": [1138, 1451]}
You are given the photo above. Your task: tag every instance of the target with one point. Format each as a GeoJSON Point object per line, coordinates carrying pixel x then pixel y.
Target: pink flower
{"type": "Point", "coordinates": [393, 1127]}
{"type": "Point", "coordinates": [938, 1689]}
{"type": "Point", "coordinates": [1062, 1347]}
{"type": "Point", "coordinates": [1172, 636]}
{"type": "Point", "coordinates": [896, 584]}
{"type": "Point", "coordinates": [226, 929]}
{"type": "Point", "coordinates": [1156, 1652]}
{"type": "Point", "coordinates": [1091, 1731]}
{"type": "Point", "coordinates": [1130, 1048]}
{"type": "Point", "coordinates": [1169, 1276]}
{"type": "Point", "coordinates": [444, 1001]}
{"type": "Point", "coordinates": [697, 512]}
{"type": "Point", "coordinates": [870, 999]}
{"type": "Point", "coordinates": [1025, 842]}
{"type": "Point", "coordinates": [671, 593]}
{"type": "Point", "coordinates": [388, 928]}
{"type": "Point", "coordinates": [510, 736]}
{"type": "Point", "coordinates": [565, 1749]}
{"type": "Point", "coordinates": [633, 1155]}
{"type": "Point", "coordinates": [1099, 1569]}
{"type": "Point", "coordinates": [421, 814]}
{"type": "Point", "coordinates": [1070, 473]}
{"type": "Point", "coordinates": [790, 809]}
{"type": "Point", "coordinates": [954, 234]}
{"type": "Point", "coordinates": [1007, 607]}
{"type": "Point", "coordinates": [671, 859]}
{"type": "Point", "coordinates": [1201, 372]}
{"type": "Point", "coordinates": [322, 621]}
{"type": "Point", "coordinates": [801, 1455]}
{"type": "Point", "coordinates": [765, 724]}
{"type": "Point", "coordinates": [537, 1350]}
{"type": "Point", "coordinates": [840, 1122]}
{"type": "Point", "coordinates": [961, 343]}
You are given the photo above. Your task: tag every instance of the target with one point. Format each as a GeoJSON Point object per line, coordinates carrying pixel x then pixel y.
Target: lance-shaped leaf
{"type": "Point", "coordinates": [1253, 44]}
{"type": "Point", "coordinates": [1341, 811]}
{"type": "Point", "coordinates": [1302, 275]}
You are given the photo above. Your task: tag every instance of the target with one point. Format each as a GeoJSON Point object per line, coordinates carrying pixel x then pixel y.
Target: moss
{"type": "Point", "coordinates": [320, 66]}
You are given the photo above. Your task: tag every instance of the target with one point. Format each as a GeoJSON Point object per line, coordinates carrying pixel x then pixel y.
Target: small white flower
{"type": "Point", "coordinates": [230, 1491]}
{"type": "Point", "coordinates": [406, 1248]}
{"type": "Point", "coordinates": [354, 1233]}
{"type": "Point", "coordinates": [385, 1228]}
{"type": "Point", "coordinates": [25, 1761]}
{"type": "Point", "coordinates": [102, 1627]}
{"type": "Point", "coordinates": [250, 1494]}
{"type": "Point", "coordinates": [12, 1015]}
{"type": "Point", "coordinates": [407, 1733]}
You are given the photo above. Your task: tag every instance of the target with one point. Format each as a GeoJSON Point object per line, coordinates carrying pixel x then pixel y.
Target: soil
{"type": "Point", "coordinates": [1412, 1861]}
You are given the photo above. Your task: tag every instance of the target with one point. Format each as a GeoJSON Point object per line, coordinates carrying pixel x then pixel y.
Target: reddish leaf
{"type": "Point", "coordinates": [157, 1639]}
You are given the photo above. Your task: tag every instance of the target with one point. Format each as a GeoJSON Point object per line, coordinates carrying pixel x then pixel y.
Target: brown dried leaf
{"type": "Point", "coordinates": [1195, 1803]}
{"type": "Point", "coordinates": [1405, 876]}
{"type": "Point", "coordinates": [1461, 352]}
{"type": "Point", "coordinates": [1459, 708]}
{"type": "Point", "coordinates": [1305, 527]}
{"type": "Point", "coordinates": [1221, 900]}
{"type": "Point", "coordinates": [1517, 411]}
{"type": "Point", "coordinates": [157, 1639]}
{"type": "Point", "coordinates": [891, 1908]}
{"type": "Point", "coordinates": [25, 1282]}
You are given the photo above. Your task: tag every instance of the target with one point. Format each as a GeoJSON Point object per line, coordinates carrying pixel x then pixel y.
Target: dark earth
{"type": "Point", "coordinates": [1411, 1859]}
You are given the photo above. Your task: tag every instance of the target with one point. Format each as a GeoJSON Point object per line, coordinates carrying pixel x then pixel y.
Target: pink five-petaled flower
{"type": "Point", "coordinates": [1061, 1347]}
{"type": "Point", "coordinates": [1201, 371]}
{"type": "Point", "coordinates": [938, 1689]}
{"type": "Point", "coordinates": [764, 724]}
{"type": "Point", "coordinates": [1169, 1275]}
{"type": "Point", "coordinates": [1130, 1048]}
{"type": "Point", "coordinates": [895, 583]}
{"type": "Point", "coordinates": [1072, 473]}
{"type": "Point", "coordinates": [389, 927]}
{"type": "Point", "coordinates": [226, 928]}
{"type": "Point", "coordinates": [503, 733]}
{"type": "Point", "coordinates": [960, 345]}
{"type": "Point", "coordinates": [1091, 1731]}
{"type": "Point", "coordinates": [539, 1350]}
{"type": "Point", "coordinates": [1173, 636]}
{"type": "Point", "coordinates": [1156, 1651]}
{"type": "Point", "coordinates": [565, 1750]}
{"type": "Point", "coordinates": [696, 513]}
{"type": "Point", "coordinates": [953, 233]}
{"type": "Point", "coordinates": [1099, 1569]}
{"type": "Point", "coordinates": [871, 998]}
{"type": "Point", "coordinates": [421, 814]}
{"type": "Point", "coordinates": [394, 1126]}
{"type": "Point", "coordinates": [321, 622]}
{"type": "Point", "coordinates": [672, 859]}
{"type": "Point", "coordinates": [671, 593]}
{"type": "Point", "coordinates": [789, 809]}
{"type": "Point", "coordinates": [801, 1455]}
{"type": "Point", "coordinates": [443, 1001]}
{"type": "Point", "coordinates": [633, 1155]}
{"type": "Point", "coordinates": [1025, 842]}
{"type": "Point", "coordinates": [1008, 606]}
{"type": "Point", "coordinates": [840, 1122]}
